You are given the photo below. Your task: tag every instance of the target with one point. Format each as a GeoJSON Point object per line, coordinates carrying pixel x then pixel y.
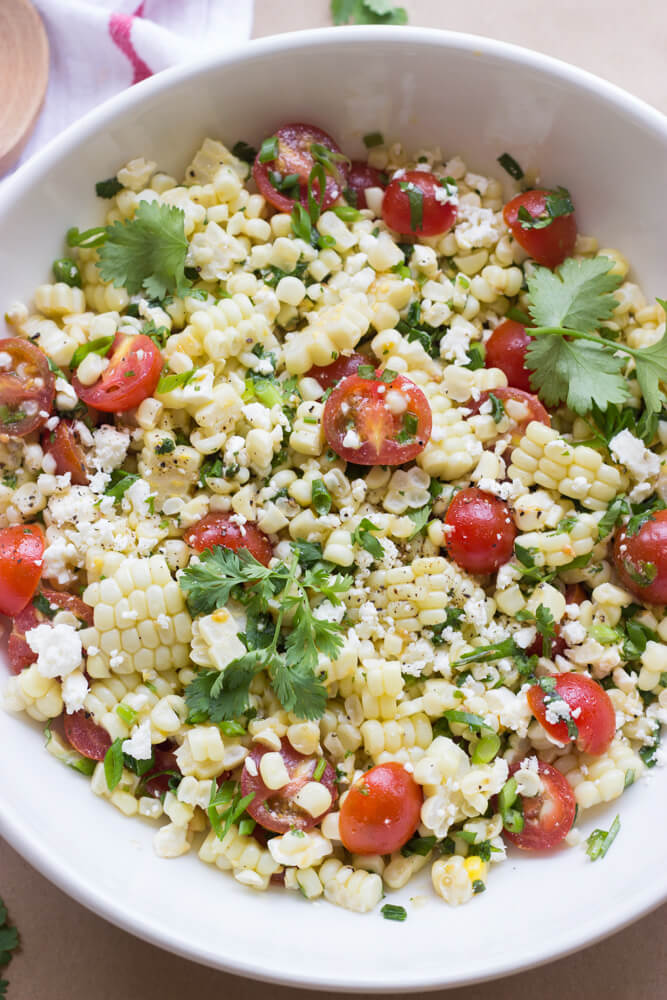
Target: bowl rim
{"type": "Point", "coordinates": [11, 826]}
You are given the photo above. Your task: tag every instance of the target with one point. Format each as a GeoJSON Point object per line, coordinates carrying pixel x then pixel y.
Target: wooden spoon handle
{"type": "Point", "coordinates": [24, 71]}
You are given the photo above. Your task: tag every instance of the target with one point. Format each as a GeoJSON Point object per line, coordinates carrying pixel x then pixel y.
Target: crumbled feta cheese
{"type": "Point", "coordinates": [351, 439]}
{"type": "Point", "coordinates": [573, 633]}
{"type": "Point", "coordinates": [139, 744]}
{"type": "Point", "coordinates": [110, 448]}
{"type": "Point", "coordinates": [631, 452]}
{"type": "Point", "coordinates": [58, 648]}
{"type": "Point", "coordinates": [75, 689]}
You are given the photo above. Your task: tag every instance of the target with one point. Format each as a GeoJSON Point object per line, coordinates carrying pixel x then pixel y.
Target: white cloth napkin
{"type": "Point", "coordinates": [99, 47]}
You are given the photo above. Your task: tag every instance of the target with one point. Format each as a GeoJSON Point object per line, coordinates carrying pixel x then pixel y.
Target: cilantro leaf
{"type": "Point", "coordinates": [147, 253]}
{"type": "Point", "coordinates": [579, 373]}
{"type": "Point", "coordinates": [420, 516]}
{"type": "Point", "coordinates": [651, 369]}
{"type": "Point", "coordinates": [362, 536]}
{"type": "Point", "coordinates": [367, 12]}
{"type": "Point", "coordinates": [576, 296]}
{"type": "Point", "coordinates": [208, 583]}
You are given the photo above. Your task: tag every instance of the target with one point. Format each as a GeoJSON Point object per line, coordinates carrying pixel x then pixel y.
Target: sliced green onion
{"type": "Point", "coordinates": [319, 769]}
{"type": "Point", "coordinates": [391, 912]}
{"type": "Point", "coordinates": [373, 139]}
{"type": "Point", "coordinates": [486, 749]}
{"type": "Point", "coordinates": [269, 149]}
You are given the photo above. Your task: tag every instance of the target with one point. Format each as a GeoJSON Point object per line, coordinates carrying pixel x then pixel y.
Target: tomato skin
{"type": "Point", "coordinates": [19, 653]}
{"type": "Point", "coordinates": [359, 404]}
{"type": "Point", "coordinates": [595, 719]}
{"type": "Point", "coordinates": [21, 554]}
{"type": "Point", "coordinates": [549, 246]}
{"type": "Point", "coordinates": [156, 783]}
{"type": "Point", "coordinates": [132, 376]}
{"type": "Point", "coordinates": [27, 387]}
{"type": "Point", "coordinates": [360, 177]}
{"type": "Point", "coordinates": [294, 157]}
{"type": "Point", "coordinates": [532, 408]}
{"type": "Point", "coordinates": [482, 531]}
{"type": "Point", "coordinates": [639, 552]}
{"type": "Point", "coordinates": [219, 529]}
{"type": "Point", "coordinates": [330, 375]}
{"type": "Point", "coordinates": [437, 216]}
{"type": "Point", "coordinates": [548, 817]}
{"type": "Point", "coordinates": [61, 444]}
{"type": "Point", "coordinates": [381, 811]}
{"type": "Point", "coordinates": [275, 809]}
{"type": "Point", "coordinates": [506, 349]}
{"type": "Point", "coordinates": [91, 740]}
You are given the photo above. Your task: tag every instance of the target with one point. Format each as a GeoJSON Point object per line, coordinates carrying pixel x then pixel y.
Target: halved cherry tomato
{"type": "Point", "coordinates": [219, 529]}
{"type": "Point", "coordinates": [360, 177]}
{"type": "Point", "coordinates": [83, 733]}
{"type": "Point", "coordinates": [381, 811]}
{"type": "Point", "coordinates": [590, 707]}
{"type": "Point", "coordinates": [27, 387]}
{"type": "Point", "coordinates": [295, 158]}
{"type": "Point", "coordinates": [61, 444]}
{"type": "Point", "coordinates": [506, 349]}
{"type": "Point", "coordinates": [371, 422]}
{"type": "Point", "coordinates": [275, 809]}
{"type": "Point", "coordinates": [521, 407]}
{"type": "Point", "coordinates": [21, 554]}
{"type": "Point", "coordinates": [132, 376]}
{"type": "Point", "coordinates": [19, 653]}
{"type": "Point", "coordinates": [482, 531]}
{"type": "Point", "coordinates": [417, 204]}
{"type": "Point", "coordinates": [548, 246]}
{"type": "Point", "coordinates": [330, 375]}
{"type": "Point", "coordinates": [547, 817]}
{"type": "Point", "coordinates": [641, 559]}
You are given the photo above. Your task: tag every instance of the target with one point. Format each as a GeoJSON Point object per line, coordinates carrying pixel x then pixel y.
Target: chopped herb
{"type": "Point", "coordinates": [416, 201]}
{"type": "Point", "coordinates": [362, 536]}
{"type": "Point", "coordinates": [556, 204]}
{"type": "Point", "coordinates": [269, 149]}
{"type": "Point", "coordinates": [228, 797]}
{"type": "Point", "coordinates": [420, 517]}
{"type": "Point", "coordinates": [113, 764]}
{"type": "Point", "coordinates": [649, 753]}
{"type": "Point", "coordinates": [120, 483]}
{"type": "Point", "coordinates": [165, 447]}
{"type": "Point", "coordinates": [101, 346]}
{"type": "Point", "coordinates": [320, 496]}
{"type": "Point", "coordinates": [373, 139]}
{"type": "Point", "coordinates": [44, 605]}
{"type": "Point", "coordinates": [466, 719]}
{"type": "Point", "coordinates": [509, 164]}
{"type": "Point", "coordinates": [418, 845]}
{"type": "Point", "coordinates": [476, 356]}
{"type": "Point", "coordinates": [9, 479]}
{"type": "Point", "coordinates": [65, 269]}
{"type": "Point", "coordinates": [391, 912]}
{"type": "Point", "coordinates": [347, 213]}
{"type": "Point", "coordinates": [108, 188]}
{"type": "Point", "coordinates": [9, 942]}
{"type": "Point", "coordinates": [478, 886]}
{"type": "Point", "coordinates": [497, 408]}
{"type": "Point", "coordinates": [510, 806]}
{"type": "Point", "coordinates": [320, 768]}
{"type": "Point", "coordinates": [242, 151]}
{"type": "Point", "coordinates": [600, 841]}
{"type": "Point", "coordinates": [367, 12]}
{"type": "Point", "coordinates": [175, 380]}
{"type": "Point", "coordinates": [88, 238]}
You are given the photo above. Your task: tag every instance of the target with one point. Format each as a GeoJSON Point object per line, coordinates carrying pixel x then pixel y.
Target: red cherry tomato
{"type": "Point", "coordinates": [132, 376]}
{"type": "Point", "coordinates": [521, 407]}
{"type": "Point", "coordinates": [330, 375]}
{"type": "Point", "coordinates": [91, 740]}
{"type": "Point", "coordinates": [21, 551]}
{"type": "Point", "coordinates": [18, 651]}
{"type": "Point", "coordinates": [416, 204]}
{"type": "Point", "coordinates": [61, 444]}
{"type": "Point", "coordinates": [295, 158]}
{"type": "Point", "coordinates": [360, 177]}
{"type": "Point", "coordinates": [27, 387]}
{"type": "Point", "coordinates": [591, 709]}
{"type": "Point", "coordinates": [575, 593]}
{"type": "Point", "coordinates": [641, 559]}
{"type": "Point", "coordinates": [547, 817]}
{"type": "Point", "coordinates": [506, 349]}
{"type": "Point", "coordinates": [381, 811]}
{"type": "Point", "coordinates": [275, 809]}
{"type": "Point", "coordinates": [156, 781]}
{"type": "Point", "coordinates": [220, 529]}
{"type": "Point", "coordinates": [371, 422]}
{"type": "Point", "coordinates": [482, 532]}
{"type": "Point", "coordinates": [549, 246]}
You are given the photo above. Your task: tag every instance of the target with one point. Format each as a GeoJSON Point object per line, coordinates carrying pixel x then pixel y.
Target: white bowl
{"type": "Point", "coordinates": [473, 96]}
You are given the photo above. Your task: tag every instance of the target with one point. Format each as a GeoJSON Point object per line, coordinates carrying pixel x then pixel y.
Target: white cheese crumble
{"type": "Point", "coordinates": [139, 744]}
{"type": "Point", "coordinates": [75, 689]}
{"type": "Point", "coordinates": [58, 648]}
{"type": "Point", "coordinates": [631, 452]}
{"type": "Point", "coordinates": [351, 439]}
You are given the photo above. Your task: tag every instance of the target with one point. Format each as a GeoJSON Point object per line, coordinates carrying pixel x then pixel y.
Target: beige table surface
{"type": "Point", "coordinates": [70, 954]}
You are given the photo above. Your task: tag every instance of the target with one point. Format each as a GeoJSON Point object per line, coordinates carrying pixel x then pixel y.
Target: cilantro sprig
{"type": "Point", "coordinates": [287, 648]}
{"type": "Point", "coordinates": [572, 363]}
{"type": "Point", "coordinates": [147, 252]}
